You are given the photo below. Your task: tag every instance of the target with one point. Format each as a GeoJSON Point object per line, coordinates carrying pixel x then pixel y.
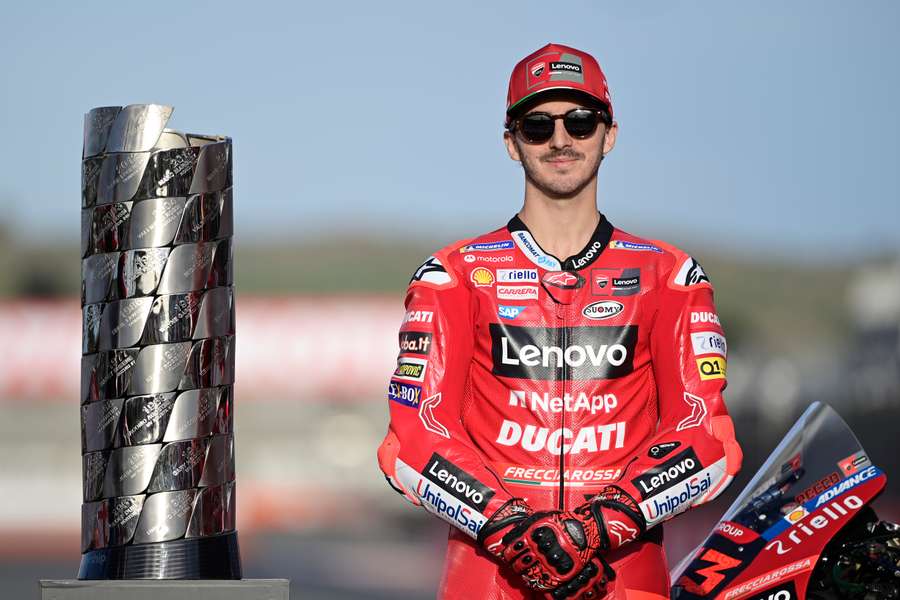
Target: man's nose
{"type": "Point", "coordinates": [561, 138]}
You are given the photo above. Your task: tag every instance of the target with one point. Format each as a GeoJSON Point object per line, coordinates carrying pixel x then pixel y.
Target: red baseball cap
{"type": "Point", "coordinates": [556, 67]}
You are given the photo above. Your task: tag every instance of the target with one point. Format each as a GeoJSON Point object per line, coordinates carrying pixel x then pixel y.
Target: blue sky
{"type": "Point", "coordinates": [765, 127]}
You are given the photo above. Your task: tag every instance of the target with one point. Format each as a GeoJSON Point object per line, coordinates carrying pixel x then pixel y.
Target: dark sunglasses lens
{"type": "Point", "coordinates": [537, 128]}
{"type": "Point", "coordinates": [581, 123]}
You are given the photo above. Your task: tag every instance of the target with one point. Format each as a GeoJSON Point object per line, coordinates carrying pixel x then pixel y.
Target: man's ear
{"type": "Point", "coordinates": [512, 149]}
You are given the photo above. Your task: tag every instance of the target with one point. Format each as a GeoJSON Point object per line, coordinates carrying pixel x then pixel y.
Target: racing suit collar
{"type": "Point", "coordinates": [591, 251]}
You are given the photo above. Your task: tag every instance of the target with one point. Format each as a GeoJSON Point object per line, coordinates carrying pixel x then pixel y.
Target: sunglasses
{"type": "Point", "coordinates": [538, 127]}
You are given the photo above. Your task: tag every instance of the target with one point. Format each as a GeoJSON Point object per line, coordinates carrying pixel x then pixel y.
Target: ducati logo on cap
{"type": "Point", "coordinates": [537, 69]}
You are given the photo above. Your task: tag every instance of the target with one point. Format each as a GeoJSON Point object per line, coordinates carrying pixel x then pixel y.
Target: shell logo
{"type": "Point", "coordinates": [796, 514]}
{"type": "Point", "coordinates": [482, 277]}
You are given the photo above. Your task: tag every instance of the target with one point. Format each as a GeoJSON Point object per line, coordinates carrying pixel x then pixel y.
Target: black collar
{"type": "Point", "coordinates": [595, 246]}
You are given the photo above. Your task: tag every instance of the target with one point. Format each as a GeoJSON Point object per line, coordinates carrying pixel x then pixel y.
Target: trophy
{"type": "Point", "coordinates": [157, 367]}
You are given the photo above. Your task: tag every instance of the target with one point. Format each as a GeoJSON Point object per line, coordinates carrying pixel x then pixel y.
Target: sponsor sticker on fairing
{"type": "Point", "coordinates": [410, 368]}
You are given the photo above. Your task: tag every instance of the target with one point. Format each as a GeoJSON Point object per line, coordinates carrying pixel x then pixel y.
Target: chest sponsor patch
{"type": "Point", "coordinates": [488, 246]}
{"type": "Point", "coordinates": [615, 282]}
{"type": "Point", "coordinates": [625, 245]}
{"type": "Point", "coordinates": [517, 292]}
{"type": "Point", "coordinates": [570, 353]}
{"type": "Point", "coordinates": [548, 475]}
{"type": "Point", "coordinates": [482, 277]}
{"type": "Point", "coordinates": [605, 309]}
{"type": "Point", "coordinates": [517, 275]}
{"type": "Point", "coordinates": [509, 312]}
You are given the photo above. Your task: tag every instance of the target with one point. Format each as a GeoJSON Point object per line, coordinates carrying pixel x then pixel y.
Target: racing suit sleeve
{"type": "Point", "coordinates": [427, 454]}
{"type": "Point", "coordinates": [694, 455]}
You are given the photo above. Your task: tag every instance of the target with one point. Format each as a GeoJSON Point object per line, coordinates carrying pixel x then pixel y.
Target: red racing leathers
{"type": "Point", "coordinates": [521, 375]}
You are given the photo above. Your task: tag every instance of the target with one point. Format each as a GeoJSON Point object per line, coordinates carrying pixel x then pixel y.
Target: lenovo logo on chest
{"type": "Point", "coordinates": [562, 353]}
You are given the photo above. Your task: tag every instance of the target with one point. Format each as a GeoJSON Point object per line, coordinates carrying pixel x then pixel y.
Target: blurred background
{"type": "Point", "coordinates": [761, 137]}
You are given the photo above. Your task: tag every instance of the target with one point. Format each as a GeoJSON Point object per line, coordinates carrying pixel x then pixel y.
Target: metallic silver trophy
{"type": "Point", "coordinates": [157, 367]}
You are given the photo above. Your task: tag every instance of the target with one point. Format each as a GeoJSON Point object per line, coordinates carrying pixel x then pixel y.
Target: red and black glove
{"type": "Point", "coordinates": [617, 516]}
{"type": "Point", "coordinates": [554, 552]}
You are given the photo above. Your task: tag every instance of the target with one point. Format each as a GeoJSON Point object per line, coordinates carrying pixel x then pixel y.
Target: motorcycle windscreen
{"type": "Point", "coordinates": [768, 541]}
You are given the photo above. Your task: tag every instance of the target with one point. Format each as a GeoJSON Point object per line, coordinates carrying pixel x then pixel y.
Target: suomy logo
{"type": "Point", "coordinates": [606, 309]}
{"type": "Point", "coordinates": [535, 352]}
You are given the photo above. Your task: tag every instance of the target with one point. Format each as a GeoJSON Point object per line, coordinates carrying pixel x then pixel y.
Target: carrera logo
{"type": "Point", "coordinates": [482, 277]}
{"type": "Point", "coordinates": [412, 369]}
{"type": "Point", "coordinates": [606, 309]}
{"type": "Point", "coordinates": [673, 471]}
{"type": "Point", "coordinates": [517, 292]}
{"type": "Point", "coordinates": [415, 342]}
{"type": "Point", "coordinates": [458, 483]}
{"type": "Point", "coordinates": [711, 368]}
{"type": "Point", "coordinates": [564, 280]}
{"type": "Point", "coordinates": [542, 439]}
{"type": "Point", "coordinates": [517, 276]}
{"type": "Point", "coordinates": [592, 352]}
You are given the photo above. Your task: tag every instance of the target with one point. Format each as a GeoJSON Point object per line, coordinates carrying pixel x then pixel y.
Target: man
{"type": "Point", "coordinates": [558, 389]}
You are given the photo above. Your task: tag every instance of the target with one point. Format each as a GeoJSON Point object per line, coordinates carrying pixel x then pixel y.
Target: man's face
{"type": "Point", "coordinates": [564, 165]}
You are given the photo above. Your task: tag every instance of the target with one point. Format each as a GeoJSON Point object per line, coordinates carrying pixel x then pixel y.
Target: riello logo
{"type": "Point", "coordinates": [570, 353]}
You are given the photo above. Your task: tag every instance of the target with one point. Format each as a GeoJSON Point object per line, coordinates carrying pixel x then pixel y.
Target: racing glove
{"type": "Point", "coordinates": [554, 552]}
{"type": "Point", "coordinates": [616, 518]}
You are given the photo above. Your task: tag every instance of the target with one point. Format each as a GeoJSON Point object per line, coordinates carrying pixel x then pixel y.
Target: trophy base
{"type": "Point", "coordinates": [245, 589]}
{"type": "Point", "coordinates": [214, 557]}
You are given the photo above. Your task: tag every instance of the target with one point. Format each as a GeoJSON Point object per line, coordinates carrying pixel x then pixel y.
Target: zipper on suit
{"type": "Point", "coordinates": [563, 343]}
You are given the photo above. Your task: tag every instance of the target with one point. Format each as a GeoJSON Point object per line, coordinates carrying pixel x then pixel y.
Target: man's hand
{"type": "Point", "coordinates": [616, 515]}
{"type": "Point", "coordinates": [554, 552]}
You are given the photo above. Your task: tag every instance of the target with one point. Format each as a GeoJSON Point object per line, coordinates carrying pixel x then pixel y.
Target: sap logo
{"type": "Point", "coordinates": [410, 368]}
{"type": "Point", "coordinates": [623, 245]}
{"type": "Point", "coordinates": [834, 512]}
{"type": "Point", "coordinates": [539, 402]}
{"type": "Point", "coordinates": [488, 246]}
{"type": "Point", "coordinates": [457, 482]}
{"type": "Point", "coordinates": [537, 439]}
{"type": "Point", "coordinates": [663, 476]}
{"type": "Point", "coordinates": [418, 316]}
{"type": "Point", "coordinates": [704, 316]}
{"type": "Point", "coordinates": [449, 509]}
{"type": "Point", "coordinates": [847, 484]}
{"type": "Point", "coordinates": [711, 368]}
{"type": "Point", "coordinates": [407, 395]}
{"type": "Point", "coordinates": [415, 342]}
{"type": "Point", "coordinates": [691, 273]}
{"type": "Point", "coordinates": [709, 342]}
{"type": "Point", "coordinates": [517, 275]}
{"type": "Point", "coordinates": [605, 309]}
{"type": "Point", "coordinates": [509, 312]}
